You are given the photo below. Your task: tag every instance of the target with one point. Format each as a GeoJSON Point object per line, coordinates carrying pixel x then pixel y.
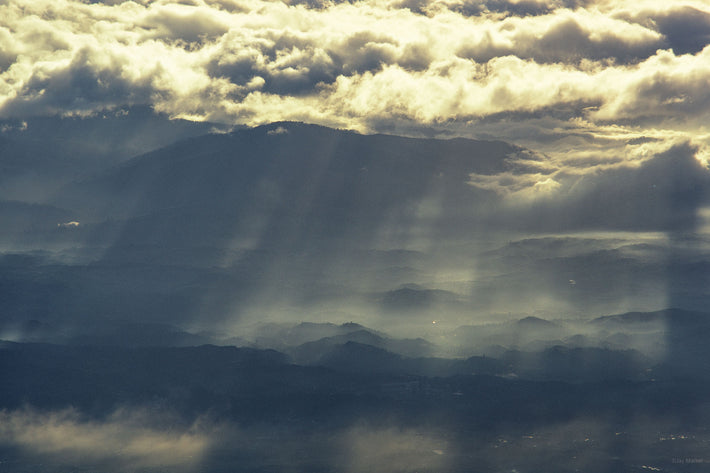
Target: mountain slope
{"type": "Point", "coordinates": [302, 181]}
{"type": "Point", "coordinates": [40, 154]}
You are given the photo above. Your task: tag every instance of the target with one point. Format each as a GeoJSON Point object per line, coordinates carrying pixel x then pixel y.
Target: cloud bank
{"type": "Point", "coordinates": [522, 70]}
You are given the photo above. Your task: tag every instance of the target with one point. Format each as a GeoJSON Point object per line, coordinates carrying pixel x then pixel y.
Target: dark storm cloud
{"type": "Point", "coordinates": [82, 85]}
{"type": "Point", "coordinates": [517, 8]}
{"type": "Point", "coordinates": [472, 8]}
{"type": "Point", "coordinates": [664, 193]}
{"type": "Point", "coordinates": [567, 40]}
{"type": "Point", "coordinates": [317, 4]}
{"type": "Point", "coordinates": [297, 64]}
{"type": "Point", "coordinates": [524, 8]}
{"type": "Point", "coordinates": [286, 78]}
{"type": "Point", "coordinates": [366, 52]}
{"type": "Point", "coordinates": [106, 2]}
{"type": "Point", "coordinates": [686, 29]}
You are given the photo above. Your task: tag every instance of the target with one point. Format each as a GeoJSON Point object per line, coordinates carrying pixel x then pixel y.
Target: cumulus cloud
{"type": "Point", "coordinates": [184, 23]}
{"type": "Point", "coordinates": [544, 73]}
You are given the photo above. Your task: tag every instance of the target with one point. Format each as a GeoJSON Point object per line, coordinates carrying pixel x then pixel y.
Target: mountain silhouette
{"type": "Point", "coordinates": [301, 185]}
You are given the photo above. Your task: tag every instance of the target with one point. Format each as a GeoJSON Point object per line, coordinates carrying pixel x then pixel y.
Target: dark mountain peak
{"type": "Point", "coordinates": [414, 296]}
{"type": "Point", "coordinates": [308, 179]}
{"type": "Point", "coordinates": [413, 287]}
{"type": "Point", "coordinates": [671, 315]}
{"type": "Point", "coordinates": [354, 356]}
{"type": "Point", "coordinates": [353, 326]}
{"type": "Point", "coordinates": [536, 322]}
{"type": "Point", "coordinates": [314, 325]}
{"type": "Point", "coordinates": [288, 127]}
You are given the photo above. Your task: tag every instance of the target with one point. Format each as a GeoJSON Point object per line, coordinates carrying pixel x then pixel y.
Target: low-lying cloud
{"type": "Point", "coordinates": [60, 440]}
{"type": "Point", "coordinates": [127, 440]}
{"type": "Point", "coordinates": [137, 440]}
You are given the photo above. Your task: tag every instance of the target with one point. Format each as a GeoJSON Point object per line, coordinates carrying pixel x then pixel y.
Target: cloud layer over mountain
{"type": "Point", "coordinates": [608, 77]}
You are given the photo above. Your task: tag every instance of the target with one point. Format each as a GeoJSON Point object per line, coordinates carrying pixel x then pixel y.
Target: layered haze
{"type": "Point", "coordinates": [292, 222]}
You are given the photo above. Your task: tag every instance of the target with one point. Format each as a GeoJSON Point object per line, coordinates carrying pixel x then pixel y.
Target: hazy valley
{"type": "Point", "coordinates": [298, 298]}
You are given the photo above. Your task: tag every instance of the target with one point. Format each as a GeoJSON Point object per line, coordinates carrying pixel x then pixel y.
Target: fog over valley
{"type": "Point", "coordinates": [378, 296]}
